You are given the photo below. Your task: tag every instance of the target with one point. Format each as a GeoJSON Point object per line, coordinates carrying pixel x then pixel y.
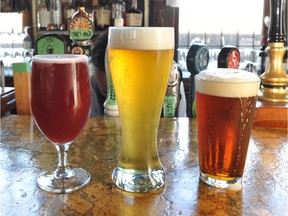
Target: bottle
{"type": "Point", "coordinates": [81, 3]}
{"type": "Point", "coordinates": [55, 15]}
{"type": "Point", "coordinates": [159, 13]}
{"type": "Point", "coordinates": [102, 16]}
{"type": "Point", "coordinates": [95, 5]}
{"type": "Point", "coordinates": [134, 16]}
{"type": "Point", "coordinates": [26, 39]}
{"type": "Point", "coordinates": [69, 8]}
{"type": "Point", "coordinates": [172, 96]}
{"type": "Point", "coordinates": [43, 15]}
{"type": "Point", "coordinates": [118, 10]}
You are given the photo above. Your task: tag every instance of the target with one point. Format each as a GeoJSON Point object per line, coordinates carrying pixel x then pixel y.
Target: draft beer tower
{"type": "Point", "coordinates": [275, 79]}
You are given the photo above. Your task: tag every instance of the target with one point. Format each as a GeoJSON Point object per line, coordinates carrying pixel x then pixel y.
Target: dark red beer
{"type": "Point", "coordinates": [60, 96]}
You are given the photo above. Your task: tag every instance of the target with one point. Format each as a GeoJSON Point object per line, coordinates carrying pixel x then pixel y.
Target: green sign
{"type": "Point", "coordinates": [50, 44]}
{"type": "Point", "coordinates": [81, 34]}
{"type": "Point", "coordinates": [111, 94]}
{"type": "Point", "coordinates": [169, 106]}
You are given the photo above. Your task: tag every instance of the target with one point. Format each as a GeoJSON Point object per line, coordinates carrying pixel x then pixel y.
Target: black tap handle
{"type": "Point", "coordinates": [276, 30]}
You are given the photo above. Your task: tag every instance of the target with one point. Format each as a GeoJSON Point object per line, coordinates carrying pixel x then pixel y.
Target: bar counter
{"type": "Point", "coordinates": [25, 152]}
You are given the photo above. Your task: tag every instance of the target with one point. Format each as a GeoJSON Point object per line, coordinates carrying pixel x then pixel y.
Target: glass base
{"type": "Point", "coordinates": [49, 183]}
{"type": "Point", "coordinates": [233, 183]}
{"type": "Point", "coordinates": [138, 180]}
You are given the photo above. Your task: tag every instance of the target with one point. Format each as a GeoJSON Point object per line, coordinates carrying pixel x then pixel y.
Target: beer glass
{"type": "Point", "coordinates": [140, 62]}
{"type": "Point", "coordinates": [60, 102]}
{"type": "Point", "coordinates": [225, 102]}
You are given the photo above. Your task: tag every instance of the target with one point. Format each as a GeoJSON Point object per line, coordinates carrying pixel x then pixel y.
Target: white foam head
{"type": "Point", "coordinates": [59, 58]}
{"type": "Point", "coordinates": [226, 82]}
{"type": "Point", "coordinates": [141, 38]}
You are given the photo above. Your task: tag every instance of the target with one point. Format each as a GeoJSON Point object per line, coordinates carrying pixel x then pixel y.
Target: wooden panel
{"type": "Point", "coordinates": [271, 114]}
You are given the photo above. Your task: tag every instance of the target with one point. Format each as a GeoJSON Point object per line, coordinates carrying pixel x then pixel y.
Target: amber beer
{"type": "Point", "coordinates": [140, 62]}
{"type": "Point", "coordinates": [226, 100]}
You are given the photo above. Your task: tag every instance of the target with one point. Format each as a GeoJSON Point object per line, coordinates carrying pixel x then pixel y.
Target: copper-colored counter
{"type": "Point", "coordinates": [24, 153]}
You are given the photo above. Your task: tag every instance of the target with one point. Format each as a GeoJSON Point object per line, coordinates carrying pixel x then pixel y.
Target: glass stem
{"type": "Point", "coordinates": [63, 171]}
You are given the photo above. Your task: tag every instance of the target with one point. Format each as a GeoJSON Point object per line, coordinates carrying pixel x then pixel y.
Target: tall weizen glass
{"type": "Point", "coordinates": [140, 62]}
{"type": "Point", "coordinates": [60, 102]}
{"type": "Point", "coordinates": [225, 101]}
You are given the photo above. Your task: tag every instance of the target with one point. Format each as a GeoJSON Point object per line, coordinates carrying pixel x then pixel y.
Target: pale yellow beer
{"type": "Point", "coordinates": [140, 91]}
{"type": "Point", "coordinates": [140, 62]}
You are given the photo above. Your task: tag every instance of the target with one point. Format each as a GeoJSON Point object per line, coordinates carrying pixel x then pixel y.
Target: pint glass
{"type": "Point", "coordinates": [225, 101]}
{"type": "Point", "coordinates": [140, 62]}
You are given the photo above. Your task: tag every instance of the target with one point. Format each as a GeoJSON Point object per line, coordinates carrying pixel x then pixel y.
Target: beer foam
{"type": "Point", "coordinates": [141, 38]}
{"type": "Point", "coordinates": [226, 82]}
{"type": "Point", "coordinates": [59, 58]}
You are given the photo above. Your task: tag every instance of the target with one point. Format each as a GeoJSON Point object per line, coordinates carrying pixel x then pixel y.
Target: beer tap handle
{"type": "Point", "coordinates": [197, 58]}
{"type": "Point", "coordinates": [196, 61]}
{"type": "Point", "coordinates": [229, 57]}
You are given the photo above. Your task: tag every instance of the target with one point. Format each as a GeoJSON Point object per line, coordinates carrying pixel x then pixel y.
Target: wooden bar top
{"type": "Point", "coordinates": [25, 152]}
{"type": "Point", "coordinates": [271, 114]}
